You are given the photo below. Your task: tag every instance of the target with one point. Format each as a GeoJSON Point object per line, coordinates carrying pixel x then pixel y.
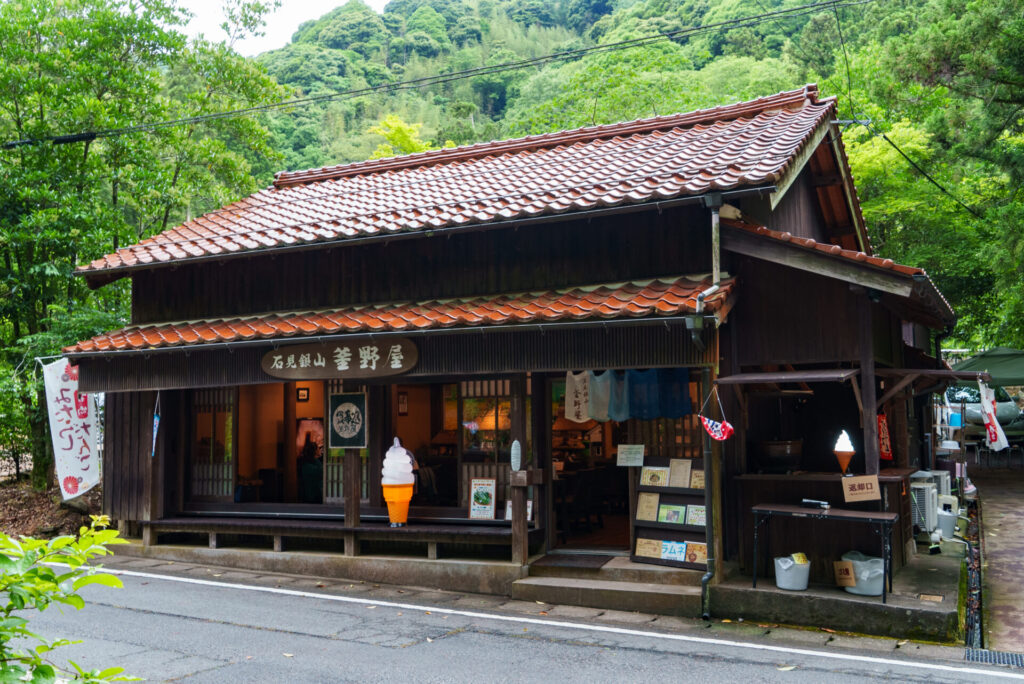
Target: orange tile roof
{"type": "Point", "coordinates": [749, 144]}
{"type": "Point", "coordinates": [636, 299]}
{"type": "Point", "coordinates": [944, 309]}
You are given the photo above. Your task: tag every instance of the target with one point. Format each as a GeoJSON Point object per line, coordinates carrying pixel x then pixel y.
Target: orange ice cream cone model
{"type": "Point", "coordinates": [397, 498]}
{"type": "Point", "coordinates": [844, 459]}
{"type": "Point", "coordinates": [397, 480]}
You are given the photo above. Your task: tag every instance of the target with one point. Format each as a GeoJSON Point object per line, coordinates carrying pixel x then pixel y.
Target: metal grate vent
{"type": "Point", "coordinates": [981, 655]}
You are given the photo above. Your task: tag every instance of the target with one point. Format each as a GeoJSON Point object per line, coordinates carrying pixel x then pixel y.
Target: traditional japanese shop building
{"type": "Point", "coordinates": [443, 297]}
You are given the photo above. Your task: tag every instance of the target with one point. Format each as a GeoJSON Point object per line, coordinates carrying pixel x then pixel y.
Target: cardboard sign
{"type": "Point", "coordinates": [630, 455]}
{"type": "Point", "coordinates": [861, 488]}
{"type": "Point", "coordinates": [844, 574]}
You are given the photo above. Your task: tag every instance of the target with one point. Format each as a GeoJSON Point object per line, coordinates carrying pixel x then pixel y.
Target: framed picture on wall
{"type": "Point", "coordinates": [302, 394]}
{"type": "Point", "coordinates": [403, 403]}
{"type": "Point", "coordinates": [347, 421]}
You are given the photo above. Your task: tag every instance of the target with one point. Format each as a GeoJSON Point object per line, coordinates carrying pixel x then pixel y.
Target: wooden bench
{"type": "Point", "coordinates": [430, 533]}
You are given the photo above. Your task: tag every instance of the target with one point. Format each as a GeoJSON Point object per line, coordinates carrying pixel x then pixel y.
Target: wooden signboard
{"type": "Point", "coordinates": [357, 359]}
{"type": "Point", "coordinates": [861, 488]}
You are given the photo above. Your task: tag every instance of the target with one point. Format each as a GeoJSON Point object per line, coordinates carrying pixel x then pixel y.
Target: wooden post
{"type": "Point", "coordinates": [867, 388]}
{"type": "Point", "coordinates": [520, 533]}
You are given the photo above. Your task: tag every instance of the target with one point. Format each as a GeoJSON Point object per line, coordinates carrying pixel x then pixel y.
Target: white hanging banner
{"type": "Point", "coordinates": [995, 439]}
{"type": "Point", "coordinates": [72, 429]}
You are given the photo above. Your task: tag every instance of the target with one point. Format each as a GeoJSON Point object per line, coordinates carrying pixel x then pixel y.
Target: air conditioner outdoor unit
{"type": "Point", "coordinates": [942, 481]}
{"type": "Point", "coordinates": [924, 505]}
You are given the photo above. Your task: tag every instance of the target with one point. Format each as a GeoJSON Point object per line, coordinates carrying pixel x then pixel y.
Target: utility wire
{"type": "Point", "coordinates": [438, 79]}
{"type": "Point", "coordinates": [874, 131]}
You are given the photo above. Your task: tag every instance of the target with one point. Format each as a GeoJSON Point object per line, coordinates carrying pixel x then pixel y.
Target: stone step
{"type": "Point", "coordinates": [644, 597]}
{"type": "Point", "coordinates": [618, 569]}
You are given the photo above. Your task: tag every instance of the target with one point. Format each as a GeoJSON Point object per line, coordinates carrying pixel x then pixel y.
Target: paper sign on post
{"type": "Point", "coordinates": [630, 455]}
{"type": "Point", "coordinates": [861, 488]}
{"type": "Point", "coordinates": [844, 574]}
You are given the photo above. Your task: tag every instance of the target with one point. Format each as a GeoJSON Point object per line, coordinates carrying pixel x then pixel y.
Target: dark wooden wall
{"type": "Point", "coordinates": [549, 255]}
{"type": "Point", "coordinates": [127, 464]}
{"type": "Point", "coordinates": [788, 316]}
{"type": "Point", "coordinates": [646, 346]}
{"type": "Point", "coordinates": [798, 213]}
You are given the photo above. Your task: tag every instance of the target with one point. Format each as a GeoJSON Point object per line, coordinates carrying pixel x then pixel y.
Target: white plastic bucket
{"type": "Point", "coordinates": [869, 573]}
{"type": "Point", "coordinates": [947, 524]}
{"type": "Point", "coordinates": [791, 575]}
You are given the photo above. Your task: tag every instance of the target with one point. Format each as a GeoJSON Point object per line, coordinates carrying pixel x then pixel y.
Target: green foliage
{"type": "Point", "coordinates": [36, 574]}
{"type": "Point", "coordinates": [72, 67]}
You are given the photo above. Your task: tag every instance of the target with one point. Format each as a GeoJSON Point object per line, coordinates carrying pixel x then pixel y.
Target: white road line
{"type": "Point", "coordinates": [584, 627]}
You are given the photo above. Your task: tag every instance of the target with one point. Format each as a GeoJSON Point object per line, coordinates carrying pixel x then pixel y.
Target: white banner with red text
{"type": "Point", "coordinates": [72, 429]}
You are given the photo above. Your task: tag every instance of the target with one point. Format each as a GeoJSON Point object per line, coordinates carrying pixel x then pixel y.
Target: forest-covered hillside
{"type": "Point", "coordinates": [932, 91]}
{"type": "Point", "coordinates": [924, 73]}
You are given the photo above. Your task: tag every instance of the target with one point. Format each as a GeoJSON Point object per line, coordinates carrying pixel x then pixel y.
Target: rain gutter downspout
{"type": "Point", "coordinates": [709, 526]}
{"type": "Point", "coordinates": [712, 201]}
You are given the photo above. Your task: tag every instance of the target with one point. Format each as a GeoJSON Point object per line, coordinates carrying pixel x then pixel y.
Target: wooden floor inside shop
{"type": "Point", "coordinates": [610, 532]}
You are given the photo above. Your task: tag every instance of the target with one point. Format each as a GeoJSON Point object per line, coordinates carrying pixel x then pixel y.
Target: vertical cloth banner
{"type": "Point", "coordinates": [72, 429]}
{"type": "Point", "coordinates": [995, 439]}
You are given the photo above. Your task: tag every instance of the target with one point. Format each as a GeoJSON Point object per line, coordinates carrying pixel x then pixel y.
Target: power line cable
{"type": "Point", "coordinates": [435, 80]}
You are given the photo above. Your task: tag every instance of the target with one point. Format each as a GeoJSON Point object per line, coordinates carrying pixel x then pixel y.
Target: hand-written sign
{"type": "Point", "coordinates": [861, 488]}
{"type": "Point", "coordinates": [844, 574]}
{"type": "Point", "coordinates": [357, 359]}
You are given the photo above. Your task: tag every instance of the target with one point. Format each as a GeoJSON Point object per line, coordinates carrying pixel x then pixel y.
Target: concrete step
{"type": "Point", "coordinates": [645, 597]}
{"type": "Point", "coordinates": [620, 569]}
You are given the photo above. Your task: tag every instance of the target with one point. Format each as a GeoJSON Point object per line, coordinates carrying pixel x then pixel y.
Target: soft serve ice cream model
{"type": "Point", "coordinates": [397, 480]}
{"type": "Point", "coordinates": [844, 451]}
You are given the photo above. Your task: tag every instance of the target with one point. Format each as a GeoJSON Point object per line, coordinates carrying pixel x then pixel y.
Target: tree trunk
{"type": "Point", "coordinates": [42, 449]}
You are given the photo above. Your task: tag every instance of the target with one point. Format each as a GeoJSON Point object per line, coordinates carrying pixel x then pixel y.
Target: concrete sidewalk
{"type": "Point", "coordinates": [1001, 499]}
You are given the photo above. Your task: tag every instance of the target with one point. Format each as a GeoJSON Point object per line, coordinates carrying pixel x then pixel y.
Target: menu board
{"type": "Point", "coordinates": [668, 513]}
{"type": "Point", "coordinates": [697, 479]}
{"type": "Point", "coordinates": [654, 477]}
{"type": "Point", "coordinates": [630, 455]}
{"type": "Point", "coordinates": [673, 551]}
{"type": "Point", "coordinates": [679, 472]}
{"type": "Point", "coordinates": [696, 552]}
{"type": "Point", "coordinates": [647, 506]}
{"type": "Point", "coordinates": [648, 548]}
{"type": "Point", "coordinates": [481, 498]}
{"type": "Point", "coordinates": [696, 515]}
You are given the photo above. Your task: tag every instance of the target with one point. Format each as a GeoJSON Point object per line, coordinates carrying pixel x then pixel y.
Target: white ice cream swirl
{"type": "Point", "coordinates": [844, 443]}
{"type": "Point", "coordinates": [397, 468]}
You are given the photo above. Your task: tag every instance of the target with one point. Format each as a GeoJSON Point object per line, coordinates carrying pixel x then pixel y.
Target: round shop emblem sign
{"type": "Point", "coordinates": [347, 420]}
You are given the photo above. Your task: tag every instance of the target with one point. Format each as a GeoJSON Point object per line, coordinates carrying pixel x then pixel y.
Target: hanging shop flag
{"type": "Point", "coordinates": [577, 396]}
{"type": "Point", "coordinates": [884, 442]}
{"type": "Point", "coordinates": [995, 439]}
{"type": "Point", "coordinates": [72, 429]}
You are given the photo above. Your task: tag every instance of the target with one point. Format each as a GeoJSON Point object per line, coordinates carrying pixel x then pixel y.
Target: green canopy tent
{"type": "Point", "coordinates": [1005, 365]}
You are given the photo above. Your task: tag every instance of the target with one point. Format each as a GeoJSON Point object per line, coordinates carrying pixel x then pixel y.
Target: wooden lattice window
{"type": "Point", "coordinates": [212, 466]}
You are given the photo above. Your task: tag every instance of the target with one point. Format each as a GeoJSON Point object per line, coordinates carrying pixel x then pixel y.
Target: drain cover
{"type": "Point", "coordinates": [981, 655]}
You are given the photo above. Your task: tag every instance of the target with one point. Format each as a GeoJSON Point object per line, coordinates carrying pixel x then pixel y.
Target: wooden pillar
{"type": "Point", "coordinates": [520, 533]}
{"type": "Point", "coordinates": [867, 387]}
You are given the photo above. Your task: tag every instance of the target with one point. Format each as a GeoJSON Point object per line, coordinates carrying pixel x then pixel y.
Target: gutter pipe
{"type": "Point", "coordinates": [709, 527]}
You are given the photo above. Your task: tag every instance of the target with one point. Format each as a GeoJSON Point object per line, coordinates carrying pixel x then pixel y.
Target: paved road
{"type": "Point", "coordinates": [1001, 492]}
{"type": "Point", "coordinates": [201, 624]}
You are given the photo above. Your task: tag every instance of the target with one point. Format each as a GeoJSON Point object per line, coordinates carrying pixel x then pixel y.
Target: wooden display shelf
{"type": "Point", "coordinates": [680, 491]}
{"type": "Point", "coordinates": [699, 529]}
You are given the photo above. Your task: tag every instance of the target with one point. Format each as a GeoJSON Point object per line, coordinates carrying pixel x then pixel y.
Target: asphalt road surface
{"type": "Point", "coordinates": [199, 624]}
